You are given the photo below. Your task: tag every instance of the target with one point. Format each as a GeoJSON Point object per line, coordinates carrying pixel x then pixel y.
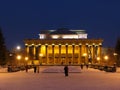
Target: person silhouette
{"type": "Point", "coordinates": [35, 68]}
{"type": "Point", "coordinates": [66, 70]}
{"type": "Point", "coordinates": [26, 68]}
{"type": "Point", "coordinates": [81, 66]}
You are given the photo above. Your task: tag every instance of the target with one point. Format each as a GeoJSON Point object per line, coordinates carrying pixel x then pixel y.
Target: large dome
{"type": "Point", "coordinates": [63, 31]}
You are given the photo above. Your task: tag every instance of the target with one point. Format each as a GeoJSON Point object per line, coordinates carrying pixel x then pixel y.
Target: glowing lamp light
{"type": "Point", "coordinates": [106, 57]}
{"type": "Point", "coordinates": [19, 57]}
{"type": "Point", "coordinates": [40, 55]}
{"type": "Point", "coordinates": [26, 58]}
{"type": "Point", "coordinates": [18, 47]}
{"type": "Point", "coordinates": [115, 54]}
{"type": "Point", "coordinates": [98, 58]}
{"type": "Point", "coordinates": [84, 54]}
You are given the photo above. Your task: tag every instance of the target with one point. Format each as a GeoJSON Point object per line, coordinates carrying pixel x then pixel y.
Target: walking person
{"type": "Point", "coordinates": [26, 68]}
{"type": "Point", "coordinates": [87, 66]}
{"type": "Point", "coordinates": [81, 66]}
{"type": "Point", "coordinates": [35, 68]}
{"type": "Point", "coordinates": [66, 70]}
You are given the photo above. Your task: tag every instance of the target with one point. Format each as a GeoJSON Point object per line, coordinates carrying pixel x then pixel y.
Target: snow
{"type": "Point", "coordinates": [52, 78]}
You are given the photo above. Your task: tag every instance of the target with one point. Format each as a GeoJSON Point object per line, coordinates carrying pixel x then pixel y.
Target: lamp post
{"type": "Point", "coordinates": [115, 56]}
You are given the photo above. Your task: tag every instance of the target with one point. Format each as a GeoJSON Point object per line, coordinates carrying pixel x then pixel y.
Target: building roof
{"type": "Point", "coordinates": [63, 31]}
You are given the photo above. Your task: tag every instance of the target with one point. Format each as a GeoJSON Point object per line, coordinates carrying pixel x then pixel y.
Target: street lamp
{"type": "Point", "coordinates": [106, 58]}
{"type": "Point", "coordinates": [18, 47]}
{"type": "Point", "coordinates": [18, 58]}
{"type": "Point", "coordinates": [26, 59]}
{"type": "Point", "coordinates": [115, 56]}
{"type": "Point", "coordinates": [84, 54]}
{"type": "Point", "coordinates": [98, 59]}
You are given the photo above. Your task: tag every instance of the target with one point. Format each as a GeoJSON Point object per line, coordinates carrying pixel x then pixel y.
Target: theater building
{"type": "Point", "coordinates": [63, 47]}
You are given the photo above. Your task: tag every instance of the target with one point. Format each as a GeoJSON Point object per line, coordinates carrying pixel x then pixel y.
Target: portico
{"type": "Point", "coordinates": [65, 51]}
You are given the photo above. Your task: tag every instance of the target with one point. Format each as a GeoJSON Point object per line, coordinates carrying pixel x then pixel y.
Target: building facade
{"type": "Point", "coordinates": [63, 47]}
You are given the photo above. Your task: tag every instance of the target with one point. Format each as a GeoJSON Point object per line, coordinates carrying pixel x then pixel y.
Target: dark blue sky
{"type": "Point", "coordinates": [22, 19]}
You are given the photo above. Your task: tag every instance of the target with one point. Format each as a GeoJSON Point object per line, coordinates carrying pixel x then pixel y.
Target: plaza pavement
{"type": "Point", "coordinates": [52, 78]}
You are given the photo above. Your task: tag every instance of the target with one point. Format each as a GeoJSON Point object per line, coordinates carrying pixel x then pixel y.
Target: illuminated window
{"type": "Point", "coordinates": [55, 36]}
{"type": "Point", "coordinates": [42, 36]}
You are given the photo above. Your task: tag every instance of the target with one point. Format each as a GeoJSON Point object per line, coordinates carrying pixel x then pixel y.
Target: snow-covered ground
{"type": "Point", "coordinates": [86, 79]}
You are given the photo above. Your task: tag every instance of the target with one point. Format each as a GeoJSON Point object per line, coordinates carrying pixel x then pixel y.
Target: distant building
{"type": "Point", "coordinates": [112, 56]}
{"type": "Point", "coordinates": [63, 47]}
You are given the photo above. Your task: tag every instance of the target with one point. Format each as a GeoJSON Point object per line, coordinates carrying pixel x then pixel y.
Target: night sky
{"type": "Point", "coordinates": [21, 19]}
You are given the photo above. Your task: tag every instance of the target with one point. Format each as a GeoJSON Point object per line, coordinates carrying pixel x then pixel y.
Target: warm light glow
{"type": "Point", "coordinates": [46, 44]}
{"type": "Point", "coordinates": [98, 58]}
{"type": "Point", "coordinates": [10, 54]}
{"type": "Point", "coordinates": [106, 57]}
{"type": "Point", "coordinates": [26, 44]}
{"type": "Point", "coordinates": [53, 44]}
{"type": "Point", "coordinates": [26, 58]}
{"type": "Point", "coordinates": [40, 55]}
{"type": "Point", "coordinates": [100, 43]}
{"type": "Point", "coordinates": [84, 54]}
{"type": "Point", "coordinates": [115, 54]}
{"type": "Point", "coordinates": [18, 57]}
{"type": "Point", "coordinates": [55, 36]}
{"type": "Point", "coordinates": [66, 44]}
{"type": "Point", "coordinates": [70, 36]}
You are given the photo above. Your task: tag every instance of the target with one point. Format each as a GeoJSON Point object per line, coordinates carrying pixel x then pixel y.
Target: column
{"type": "Point", "coordinates": [96, 51]}
{"type": "Point", "coordinates": [66, 61]}
{"type": "Point", "coordinates": [80, 54]}
{"type": "Point", "coordinates": [73, 47]}
{"type": "Point", "coordinates": [34, 49]}
{"type": "Point", "coordinates": [60, 54]}
{"type": "Point", "coordinates": [89, 54]}
{"type": "Point", "coordinates": [86, 57]}
{"type": "Point", "coordinates": [40, 54]}
{"type": "Point", "coordinates": [84, 54]}
{"type": "Point", "coordinates": [93, 59]}
{"type": "Point", "coordinates": [39, 51]}
{"type": "Point", "coordinates": [53, 53]}
{"type": "Point", "coordinates": [36, 53]}
{"type": "Point", "coordinates": [100, 54]}
{"type": "Point", "coordinates": [47, 62]}
{"type": "Point", "coordinates": [27, 50]}
{"type": "Point", "coordinates": [30, 53]}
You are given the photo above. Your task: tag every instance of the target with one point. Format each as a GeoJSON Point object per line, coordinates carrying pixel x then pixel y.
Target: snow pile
{"type": "Point", "coordinates": [3, 70]}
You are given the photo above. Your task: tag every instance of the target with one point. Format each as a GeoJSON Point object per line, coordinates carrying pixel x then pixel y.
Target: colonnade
{"type": "Point", "coordinates": [57, 54]}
